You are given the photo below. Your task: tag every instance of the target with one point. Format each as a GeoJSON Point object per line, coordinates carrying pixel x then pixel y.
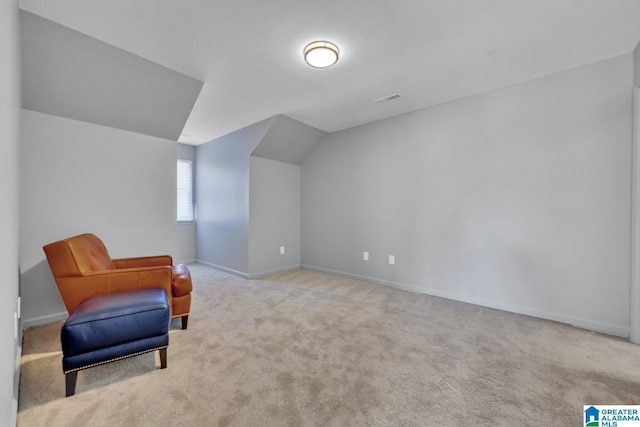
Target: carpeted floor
{"type": "Point", "coordinates": [304, 348]}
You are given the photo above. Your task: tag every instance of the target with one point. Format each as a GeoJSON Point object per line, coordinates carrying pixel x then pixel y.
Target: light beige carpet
{"type": "Point", "coordinates": [309, 349]}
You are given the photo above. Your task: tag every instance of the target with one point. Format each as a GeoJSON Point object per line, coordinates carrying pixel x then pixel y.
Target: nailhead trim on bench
{"type": "Point", "coordinates": [116, 359]}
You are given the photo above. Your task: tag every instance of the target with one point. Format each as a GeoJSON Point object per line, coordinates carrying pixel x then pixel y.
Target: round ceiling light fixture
{"type": "Point", "coordinates": [321, 54]}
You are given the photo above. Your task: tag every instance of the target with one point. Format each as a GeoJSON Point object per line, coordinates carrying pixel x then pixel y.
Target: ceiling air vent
{"type": "Point", "coordinates": [387, 98]}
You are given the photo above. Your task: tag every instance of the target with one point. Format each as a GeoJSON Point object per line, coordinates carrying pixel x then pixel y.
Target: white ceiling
{"type": "Point", "coordinates": [249, 52]}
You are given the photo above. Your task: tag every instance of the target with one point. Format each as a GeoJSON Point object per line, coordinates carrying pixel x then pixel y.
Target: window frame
{"type": "Point", "coordinates": [191, 190]}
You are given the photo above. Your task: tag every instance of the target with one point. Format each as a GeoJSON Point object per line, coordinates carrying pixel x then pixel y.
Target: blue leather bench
{"type": "Point", "coordinates": [111, 327]}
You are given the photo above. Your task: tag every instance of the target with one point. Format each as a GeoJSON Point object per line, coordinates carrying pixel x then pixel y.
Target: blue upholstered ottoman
{"type": "Point", "coordinates": [110, 327]}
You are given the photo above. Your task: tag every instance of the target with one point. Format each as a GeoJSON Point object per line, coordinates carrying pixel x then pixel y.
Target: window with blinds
{"type": "Point", "coordinates": [185, 191]}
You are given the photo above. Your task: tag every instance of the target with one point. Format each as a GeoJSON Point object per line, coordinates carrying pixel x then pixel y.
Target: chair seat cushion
{"type": "Point", "coordinates": [181, 282]}
{"type": "Point", "coordinates": [110, 320]}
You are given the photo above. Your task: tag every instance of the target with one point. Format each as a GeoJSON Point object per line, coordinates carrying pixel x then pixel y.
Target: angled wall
{"type": "Point", "coordinates": [98, 152]}
{"type": "Point", "coordinates": [69, 74]}
{"type": "Point", "coordinates": [518, 198]}
{"type": "Point", "coordinates": [288, 141]}
{"type": "Point", "coordinates": [248, 197]}
{"type": "Point", "coordinates": [274, 196]}
{"type": "Point", "coordinates": [222, 194]}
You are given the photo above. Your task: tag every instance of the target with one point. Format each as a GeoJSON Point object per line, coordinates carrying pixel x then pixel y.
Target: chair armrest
{"type": "Point", "coordinates": [143, 261]}
{"type": "Point", "coordinates": [74, 290]}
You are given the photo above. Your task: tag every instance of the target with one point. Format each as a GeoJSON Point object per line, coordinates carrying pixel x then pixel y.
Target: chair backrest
{"type": "Point", "coordinates": [77, 256]}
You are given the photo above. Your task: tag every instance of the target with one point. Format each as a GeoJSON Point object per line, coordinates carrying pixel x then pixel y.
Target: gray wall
{"type": "Point", "coordinates": [518, 198]}
{"type": "Point", "coordinates": [9, 214]}
{"type": "Point", "coordinates": [78, 177]}
{"type": "Point", "coordinates": [222, 193]}
{"type": "Point", "coordinates": [187, 230]}
{"type": "Point", "coordinates": [69, 74]}
{"type": "Point", "coordinates": [248, 206]}
{"type": "Point", "coordinates": [274, 216]}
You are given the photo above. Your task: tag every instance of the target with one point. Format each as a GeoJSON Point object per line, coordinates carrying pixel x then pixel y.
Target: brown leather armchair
{"type": "Point", "coordinates": [82, 268]}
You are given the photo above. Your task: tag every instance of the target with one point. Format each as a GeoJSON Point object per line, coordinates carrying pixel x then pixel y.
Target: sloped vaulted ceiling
{"type": "Point", "coordinates": [69, 74]}
{"type": "Point", "coordinates": [288, 141]}
{"type": "Point", "coordinates": [249, 52]}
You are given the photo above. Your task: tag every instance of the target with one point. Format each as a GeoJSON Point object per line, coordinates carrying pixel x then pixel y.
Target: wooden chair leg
{"type": "Point", "coordinates": [70, 380]}
{"type": "Point", "coordinates": [163, 358]}
{"type": "Point", "coordinates": [185, 320]}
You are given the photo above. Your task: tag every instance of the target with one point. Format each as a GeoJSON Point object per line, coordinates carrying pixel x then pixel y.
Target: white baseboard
{"type": "Point", "coordinates": [224, 269]}
{"type": "Point", "coordinates": [261, 274]}
{"type": "Point", "coordinates": [188, 261]}
{"type": "Point", "coordinates": [258, 275]}
{"type": "Point", "coordinates": [607, 328]}
{"type": "Point", "coordinates": [43, 320]}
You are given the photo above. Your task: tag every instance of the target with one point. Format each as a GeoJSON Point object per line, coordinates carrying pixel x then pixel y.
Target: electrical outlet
{"type": "Point", "coordinates": [392, 259]}
{"type": "Point", "coordinates": [281, 250]}
{"type": "Point", "coordinates": [19, 307]}
{"type": "Point", "coordinates": [365, 256]}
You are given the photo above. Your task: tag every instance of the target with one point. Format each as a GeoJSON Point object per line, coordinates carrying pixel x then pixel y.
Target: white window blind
{"type": "Point", "coordinates": [185, 191]}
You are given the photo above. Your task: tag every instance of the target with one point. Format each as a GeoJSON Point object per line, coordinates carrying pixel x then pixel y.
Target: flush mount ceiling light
{"type": "Point", "coordinates": [321, 54]}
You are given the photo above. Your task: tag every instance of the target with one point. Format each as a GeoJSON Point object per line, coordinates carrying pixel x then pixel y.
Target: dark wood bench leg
{"type": "Point", "coordinates": [163, 358]}
{"type": "Point", "coordinates": [70, 380]}
{"type": "Point", "coordinates": [185, 320]}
